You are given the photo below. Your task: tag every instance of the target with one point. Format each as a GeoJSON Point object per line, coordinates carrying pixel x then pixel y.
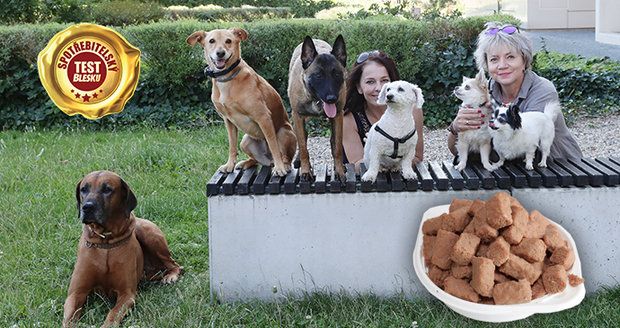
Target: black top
{"type": "Point", "coordinates": [363, 126]}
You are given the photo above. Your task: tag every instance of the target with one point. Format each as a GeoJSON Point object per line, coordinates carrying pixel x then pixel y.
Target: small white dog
{"type": "Point", "coordinates": [516, 134]}
{"type": "Point", "coordinates": [475, 94]}
{"type": "Point", "coordinates": [390, 143]}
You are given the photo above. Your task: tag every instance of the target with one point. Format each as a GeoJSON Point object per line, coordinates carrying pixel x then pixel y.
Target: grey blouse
{"type": "Point", "coordinates": [536, 92]}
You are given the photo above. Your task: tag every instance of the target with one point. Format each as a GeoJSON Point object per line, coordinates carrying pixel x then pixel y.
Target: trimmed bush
{"type": "Point", "coordinates": [173, 91]}
{"type": "Point", "coordinates": [126, 12]}
{"type": "Point", "coordinates": [243, 14]}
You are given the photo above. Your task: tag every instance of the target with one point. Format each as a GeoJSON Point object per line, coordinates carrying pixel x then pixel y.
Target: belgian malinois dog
{"type": "Point", "coordinates": [316, 87]}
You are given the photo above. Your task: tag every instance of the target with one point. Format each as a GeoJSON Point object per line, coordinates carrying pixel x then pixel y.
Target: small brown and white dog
{"type": "Point", "coordinates": [245, 100]}
{"type": "Point", "coordinates": [474, 93]}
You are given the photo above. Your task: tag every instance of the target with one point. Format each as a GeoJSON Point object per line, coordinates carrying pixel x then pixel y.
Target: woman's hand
{"type": "Point", "coordinates": [468, 119]}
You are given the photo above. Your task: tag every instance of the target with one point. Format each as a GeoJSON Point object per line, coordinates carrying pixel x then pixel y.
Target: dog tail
{"type": "Point", "coordinates": [552, 110]}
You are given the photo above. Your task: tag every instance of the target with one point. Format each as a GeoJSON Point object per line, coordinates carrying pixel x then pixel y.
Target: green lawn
{"type": "Point", "coordinates": [168, 170]}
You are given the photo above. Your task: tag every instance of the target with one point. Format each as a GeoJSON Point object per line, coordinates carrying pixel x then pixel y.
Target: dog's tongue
{"type": "Point", "coordinates": [330, 109]}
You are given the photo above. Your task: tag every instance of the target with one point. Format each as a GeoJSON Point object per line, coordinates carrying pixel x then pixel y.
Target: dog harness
{"type": "Point", "coordinates": [217, 74]}
{"type": "Point", "coordinates": [395, 140]}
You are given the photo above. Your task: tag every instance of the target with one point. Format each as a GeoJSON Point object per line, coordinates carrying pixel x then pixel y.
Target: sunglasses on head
{"type": "Point", "coordinates": [508, 29]}
{"type": "Point", "coordinates": [365, 55]}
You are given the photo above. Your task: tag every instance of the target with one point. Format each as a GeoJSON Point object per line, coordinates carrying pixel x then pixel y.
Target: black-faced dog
{"type": "Point", "coordinates": [316, 87]}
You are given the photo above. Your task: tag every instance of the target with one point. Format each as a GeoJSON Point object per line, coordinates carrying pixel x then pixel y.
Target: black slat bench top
{"type": "Point", "coordinates": [430, 176]}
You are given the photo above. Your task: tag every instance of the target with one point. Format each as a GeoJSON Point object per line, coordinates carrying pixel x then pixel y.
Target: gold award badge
{"type": "Point", "coordinates": [90, 70]}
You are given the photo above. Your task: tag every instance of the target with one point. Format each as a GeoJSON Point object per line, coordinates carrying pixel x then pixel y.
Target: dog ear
{"type": "Point", "coordinates": [339, 50]}
{"type": "Point", "coordinates": [382, 95]}
{"type": "Point", "coordinates": [240, 33]}
{"type": "Point", "coordinates": [77, 197]}
{"type": "Point", "coordinates": [513, 115]}
{"type": "Point", "coordinates": [308, 52]}
{"type": "Point", "coordinates": [130, 199]}
{"type": "Point", "coordinates": [198, 36]}
{"type": "Point", "coordinates": [418, 96]}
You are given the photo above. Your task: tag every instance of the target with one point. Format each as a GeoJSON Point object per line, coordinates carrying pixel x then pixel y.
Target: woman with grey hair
{"type": "Point", "coordinates": [506, 55]}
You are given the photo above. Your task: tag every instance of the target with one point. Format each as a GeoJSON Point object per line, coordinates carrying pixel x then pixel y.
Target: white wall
{"type": "Point", "coordinates": [607, 22]}
{"type": "Point", "coordinates": [558, 14]}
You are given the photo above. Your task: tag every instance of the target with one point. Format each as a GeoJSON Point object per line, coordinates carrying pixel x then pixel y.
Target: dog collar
{"type": "Point", "coordinates": [232, 76]}
{"type": "Point", "coordinates": [395, 140]}
{"type": "Point", "coordinates": [117, 243]}
{"type": "Point", "coordinates": [214, 74]}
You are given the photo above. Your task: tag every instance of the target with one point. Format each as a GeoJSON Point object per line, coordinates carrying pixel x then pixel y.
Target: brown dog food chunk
{"type": "Point", "coordinates": [431, 226]}
{"type": "Point", "coordinates": [531, 249]}
{"type": "Point", "coordinates": [465, 248]}
{"type": "Point", "coordinates": [481, 228]}
{"type": "Point", "coordinates": [514, 233]}
{"type": "Point", "coordinates": [512, 292]}
{"type": "Point", "coordinates": [536, 226]}
{"type": "Point", "coordinates": [563, 255]}
{"type": "Point", "coordinates": [499, 213]}
{"type": "Point", "coordinates": [574, 280]}
{"type": "Point", "coordinates": [483, 276]}
{"type": "Point", "coordinates": [553, 238]}
{"type": "Point", "coordinates": [442, 248]}
{"type": "Point", "coordinates": [461, 289]}
{"type": "Point", "coordinates": [554, 279]}
{"type": "Point", "coordinates": [427, 247]}
{"type": "Point", "coordinates": [476, 205]}
{"type": "Point", "coordinates": [458, 203]}
{"type": "Point", "coordinates": [437, 275]}
{"type": "Point", "coordinates": [456, 221]}
{"type": "Point", "coordinates": [498, 277]}
{"type": "Point", "coordinates": [482, 250]}
{"type": "Point", "coordinates": [519, 268]}
{"type": "Point", "coordinates": [498, 251]}
{"type": "Point", "coordinates": [538, 289]}
{"type": "Point", "coordinates": [460, 271]}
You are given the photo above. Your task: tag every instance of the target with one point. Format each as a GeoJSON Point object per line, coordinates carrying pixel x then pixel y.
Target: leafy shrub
{"type": "Point", "coordinates": [173, 91]}
{"type": "Point", "coordinates": [126, 12]}
{"type": "Point", "coordinates": [67, 11]}
{"type": "Point", "coordinates": [19, 11]}
{"type": "Point", "coordinates": [300, 8]}
{"type": "Point", "coordinates": [213, 13]}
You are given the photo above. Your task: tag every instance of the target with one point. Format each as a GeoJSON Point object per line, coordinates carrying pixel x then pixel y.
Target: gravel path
{"type": "Point", "coordinates": [597, 137]}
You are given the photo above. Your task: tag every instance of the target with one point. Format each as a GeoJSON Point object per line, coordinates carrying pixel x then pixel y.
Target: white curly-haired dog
{"type": "Point", "coordinates": [516, 134]}
{"type": "Point", "coordinates": [390, 143]}
{"type": "Point", "coordinates": [475, 94]}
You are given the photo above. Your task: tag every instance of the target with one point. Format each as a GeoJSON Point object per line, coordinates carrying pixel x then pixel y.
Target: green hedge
{"type": "Point", "coordinates": [245, 14]}
{"type": "Point", "coordinates": [173, 91]}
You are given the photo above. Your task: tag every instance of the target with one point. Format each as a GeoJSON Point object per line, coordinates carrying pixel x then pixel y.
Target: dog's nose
{"type": "Point", "coordinates": [220, 54]}
{"type": "Point", "coordinates": [88, 206]}
{"type": "Point", "coordinates": [390, 96]}
{"type": "Point", "coordinates": [330, 99]}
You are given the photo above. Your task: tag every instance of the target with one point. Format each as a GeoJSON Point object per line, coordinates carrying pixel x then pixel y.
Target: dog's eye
{"type": "Point", "coordinates": [400, 89]}
{"type": "Point", "coordinates": [317, 76]}
{"type": "Point", "coordinates": [106, 190]}
{"type": "Point", "coordinates": [84, 189]}
{"type": "Point", "coordinates": [467, 87]}
{"type": "Point", "coordinates": [211, 40]}
{"type": "Point", "coordinates": [228, 41]}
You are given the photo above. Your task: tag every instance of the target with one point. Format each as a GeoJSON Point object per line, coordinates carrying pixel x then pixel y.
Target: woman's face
{"type": "Point", "coordinates": [506, 65]}
{"type": "Point", "coordinates": [374, 76]}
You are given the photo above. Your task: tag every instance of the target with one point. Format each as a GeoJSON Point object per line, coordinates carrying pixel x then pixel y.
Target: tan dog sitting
{"type": "Point", "coordinates": [116, 248]}
{"type": "Point", "coordinates": [246, 101]}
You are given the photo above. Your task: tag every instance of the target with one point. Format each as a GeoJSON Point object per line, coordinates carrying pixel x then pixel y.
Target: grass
{"type": "Point", "coordinates": [168, 170]}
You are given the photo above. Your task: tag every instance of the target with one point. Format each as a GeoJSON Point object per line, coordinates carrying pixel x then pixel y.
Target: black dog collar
{"type": "Point", "coordinates": [395, 140]}
{"type": "Point", "coordinates": [214, 74]}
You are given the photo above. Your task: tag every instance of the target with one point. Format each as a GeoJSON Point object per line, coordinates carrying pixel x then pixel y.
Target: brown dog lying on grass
{"type": "Point", "coordinates": [116, 249]}
{"type": "Point", "coordinates": [246, 101]}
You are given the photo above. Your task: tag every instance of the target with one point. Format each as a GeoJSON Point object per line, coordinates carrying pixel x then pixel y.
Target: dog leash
{"type": "Point", "coordinates": [395, 140]}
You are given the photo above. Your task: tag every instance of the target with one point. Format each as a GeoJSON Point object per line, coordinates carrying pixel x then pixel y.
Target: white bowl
{"type": "Point", "coordinates": [570, 297]}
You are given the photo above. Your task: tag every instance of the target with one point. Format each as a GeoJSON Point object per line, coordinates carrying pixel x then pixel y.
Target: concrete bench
{"type": "Point", "coordinates": [272, 237]}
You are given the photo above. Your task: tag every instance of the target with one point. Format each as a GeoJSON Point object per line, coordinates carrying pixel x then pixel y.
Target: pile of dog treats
{"type": "Point", "coordinates": [495, 252]}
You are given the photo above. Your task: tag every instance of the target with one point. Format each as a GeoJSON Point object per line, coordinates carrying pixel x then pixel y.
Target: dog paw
{"type": "Point", "coordinates": [409, 175]}
{"type": "Point", "coordinates": [227, 168]}
{"type": "Point", "coordinates": [369, 176]}
{"type": "Point", "coordinates": [278, 171]}
{"type": "Point", "coordinates": [529, 166]}
{"type": "Point", "coordinates": [489, 167]}
{"type": "Point", "coordinates": [460, 166]}
{"type": "Point", "coordinates": [306, 176]}
{"type": "Point", "coordinates": [170, 278]}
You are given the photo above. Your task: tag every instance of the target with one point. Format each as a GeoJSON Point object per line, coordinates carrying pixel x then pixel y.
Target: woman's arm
{"type": "Point", "coordinates": [351, 142]}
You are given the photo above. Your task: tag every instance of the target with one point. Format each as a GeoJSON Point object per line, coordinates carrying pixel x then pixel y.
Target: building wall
{"type": "Point", "coordinates": [550, 14]}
